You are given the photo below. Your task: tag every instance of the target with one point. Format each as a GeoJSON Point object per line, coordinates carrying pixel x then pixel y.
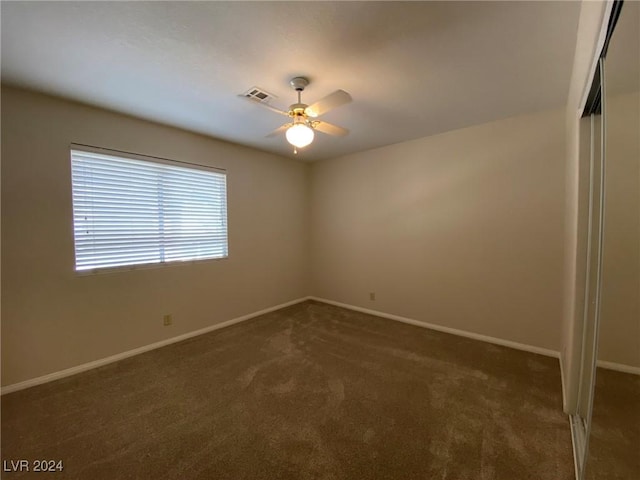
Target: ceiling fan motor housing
{"type": "Point", "coordinates": [298, 109]}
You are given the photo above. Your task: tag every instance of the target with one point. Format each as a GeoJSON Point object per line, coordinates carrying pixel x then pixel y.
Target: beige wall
{"type": "Point", "coordinates": [53, 319]}
{"type": "Point", "coordinates": [462, 229]}
{"type": "Point", "coordinates": [619, 339]}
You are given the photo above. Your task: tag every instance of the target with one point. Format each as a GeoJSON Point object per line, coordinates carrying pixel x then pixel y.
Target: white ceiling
{"type": "Point", "coordinates": [413, 68]}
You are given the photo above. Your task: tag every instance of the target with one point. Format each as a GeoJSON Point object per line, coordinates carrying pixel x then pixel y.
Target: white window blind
{"type": "Point", "coordinates": [134, 212]}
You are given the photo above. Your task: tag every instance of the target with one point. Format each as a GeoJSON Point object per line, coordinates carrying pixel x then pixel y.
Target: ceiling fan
{"type": "Point", "coordinates": [300, 130]}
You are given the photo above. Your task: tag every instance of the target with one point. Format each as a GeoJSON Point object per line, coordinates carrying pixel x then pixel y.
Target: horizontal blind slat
{"type": "Point", "coordinates": [133, 212]}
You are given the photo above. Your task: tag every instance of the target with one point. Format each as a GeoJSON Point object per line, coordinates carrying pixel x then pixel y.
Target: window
{"type": "Point", "coordinates": [128, 211]}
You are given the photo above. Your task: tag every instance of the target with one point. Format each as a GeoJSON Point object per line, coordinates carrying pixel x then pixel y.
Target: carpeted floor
{"type": "Point", "coordinates": [614, 446]}
{"type": "Point", "coordinates": [308, 392]}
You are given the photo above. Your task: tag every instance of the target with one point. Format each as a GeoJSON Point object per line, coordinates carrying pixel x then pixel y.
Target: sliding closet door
{"type": "Point", "coordinates": [592, 160]}
{"type": "Point", "coordinates": [606, 424]}
{"type": "Point", "coordinates": [614, 442]}
{"type": "Point", "coordinates": [593, 277]}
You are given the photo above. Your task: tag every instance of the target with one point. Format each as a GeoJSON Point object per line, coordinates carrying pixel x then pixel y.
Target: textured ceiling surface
{"type": "Point", "coordinates": [413, 68]}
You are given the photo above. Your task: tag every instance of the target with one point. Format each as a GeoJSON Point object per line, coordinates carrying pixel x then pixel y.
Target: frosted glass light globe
{"type": "Point", "coordinates": [300, 135]}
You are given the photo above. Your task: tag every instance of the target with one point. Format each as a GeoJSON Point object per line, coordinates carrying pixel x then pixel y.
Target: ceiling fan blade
{"type": "Point", "coordinates": [279, 130]}
{"type": "Point", "coordinates": [331, 129]}
{"type": "Point", "coordinates": [331, 101]}
{"type": "Point", "coordinates": [265, 105]}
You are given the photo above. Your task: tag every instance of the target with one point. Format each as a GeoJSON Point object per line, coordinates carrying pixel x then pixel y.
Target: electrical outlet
{"type": "Point", "coordinates": [168, 320]}
{"type": "Point", "coordinates": [372, 296]}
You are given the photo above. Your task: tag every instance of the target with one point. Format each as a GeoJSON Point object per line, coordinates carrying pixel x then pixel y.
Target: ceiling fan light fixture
{"type": "Point", "coordinates": [300, 135]}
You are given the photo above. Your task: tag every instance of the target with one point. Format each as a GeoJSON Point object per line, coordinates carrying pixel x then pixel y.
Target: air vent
{"type": "Point", "coordinates": [259, 95]}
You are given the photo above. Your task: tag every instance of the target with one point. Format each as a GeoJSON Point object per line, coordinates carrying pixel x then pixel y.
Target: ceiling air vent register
{"type": "Point", "coordinates": [259, 95]}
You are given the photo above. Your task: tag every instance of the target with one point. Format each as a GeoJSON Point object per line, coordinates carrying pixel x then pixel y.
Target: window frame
{"type": "Point", "coordinates": [84, 148]}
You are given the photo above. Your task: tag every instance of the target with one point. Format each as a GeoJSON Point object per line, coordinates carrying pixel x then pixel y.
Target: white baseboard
{"type": "Point", "coordinates": [619, 367]}
{"type": "Point", "coordinates": [137, 351]}
{"type": "Point", "coordinates": [563, 385]}
{"type": "Point", "coordinates": [440, 328]}
{"type": "Point", "coordinates": [485, 338]}
{"type": "Point", "coordinates": [130, 353]}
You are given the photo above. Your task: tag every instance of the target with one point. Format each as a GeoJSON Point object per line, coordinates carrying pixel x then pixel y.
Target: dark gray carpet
{"type": "Point", "coordinates": [308, 392]}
